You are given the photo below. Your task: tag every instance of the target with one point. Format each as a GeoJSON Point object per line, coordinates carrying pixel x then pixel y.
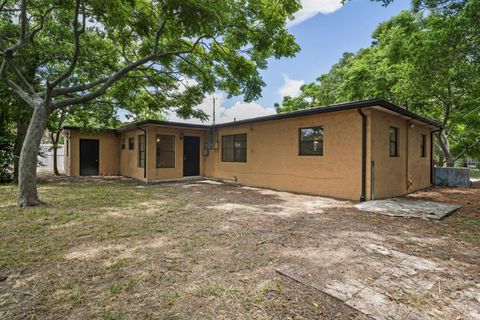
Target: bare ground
{"type": "Point", "coordinates": [117, 249]}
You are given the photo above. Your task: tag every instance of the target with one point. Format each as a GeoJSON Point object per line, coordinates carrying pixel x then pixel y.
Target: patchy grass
{"type": "Point", "coordinates": [75, 214]}
{"type": "Point", "coordinates": [475, 173]}
{"type": "Point", "coordinates": [468, 229]}
{"type": "Point", "coordinates": [119, 249]}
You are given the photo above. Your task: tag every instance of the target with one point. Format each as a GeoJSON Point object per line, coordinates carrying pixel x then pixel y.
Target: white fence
{"type": "Point", "coordinates": [45, 158]}
{"type": "Point", "coordinates": [468, 163]}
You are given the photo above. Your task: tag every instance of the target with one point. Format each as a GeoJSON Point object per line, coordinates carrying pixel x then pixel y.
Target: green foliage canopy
{"type": "Point", "coordinates": [79, 49]}
{"type": "Point", "coordinates": [428, 62]}
{"type": "Point", "coordinates": [151, 55]}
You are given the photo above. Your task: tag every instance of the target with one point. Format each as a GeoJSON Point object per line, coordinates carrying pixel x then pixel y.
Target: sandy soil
{"type": "Point", "coordinates": [205, 249]}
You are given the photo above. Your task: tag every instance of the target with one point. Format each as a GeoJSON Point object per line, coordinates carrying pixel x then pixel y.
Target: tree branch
{"type": "Point", "coordinates": [449, 106]}
{"type": "Point", "coordinates": [192, 64]}
{"type": "Point", "coordinates": [77, 32]}
{"type": "Point", "coordinates": [152, 96]}
{"type": "Point", "coordinates": [3, 5]}
{"type": "Point", "coordinates": [158, 34]}
{"type": "Point", "coordinates": [477, 142]}
{"type": "Point", "coordinates": [73, 89]}
{"type": "Point", "coordinates": [41, 23]}
{"type": "Point", "coordinates": [20, 76]}
{"type": "Point", "coordinates": [29, 95]}
{"type": "Point", "coordinates": [117, 76]}
{"type": "Point", "coordinates": [23, 30]}
{"type": "Point", "coordinates": [454, 123]}
{"type": "Point", "coordinates": [114, 78]}
{"type": "Point", "coordinates": [16, 88]}
{"type": "Point", "coordinates": [110, 103]}
{"type": "Point", "coordinates": [158, 84]}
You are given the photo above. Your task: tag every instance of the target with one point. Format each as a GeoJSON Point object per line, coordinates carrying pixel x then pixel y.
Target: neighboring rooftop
{"type": "Point", "coordinates": [377, 103]}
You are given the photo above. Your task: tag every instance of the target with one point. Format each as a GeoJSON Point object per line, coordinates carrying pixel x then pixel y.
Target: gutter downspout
{"type": "Point", "coordinates": [145, 160]}
{"type": "Point", "coordinates": [407, 146]}
{"type": "Point", "coordinates": [432, 168]}
{"type": "Point", "coordinates": [364, 154]}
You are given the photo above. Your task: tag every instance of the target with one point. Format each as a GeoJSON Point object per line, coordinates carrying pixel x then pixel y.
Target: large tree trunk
{"type": "Point", "coordinates": [55, 165]}
{"type": "Point", "coordinates": [55, 137]}
{"type": "Point", "coordinates": [445, 147]}
{"type": "Point", "coordinates": [22, 120]}
{"type": "Point", "coordinates": [27, 174]}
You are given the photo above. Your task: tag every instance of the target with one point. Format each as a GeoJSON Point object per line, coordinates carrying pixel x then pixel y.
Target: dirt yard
{"type": "Point", "coordinates": [117, 249]}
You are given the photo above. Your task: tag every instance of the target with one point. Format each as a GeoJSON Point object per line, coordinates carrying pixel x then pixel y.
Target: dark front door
{"type": "Point", "coordinates": [88, 157]}
{"type": "Point", "coordinates": [191, 156]}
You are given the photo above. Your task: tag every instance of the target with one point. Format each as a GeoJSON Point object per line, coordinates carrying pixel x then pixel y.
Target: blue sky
{"type": "Point", "coordinates": [324, 30]}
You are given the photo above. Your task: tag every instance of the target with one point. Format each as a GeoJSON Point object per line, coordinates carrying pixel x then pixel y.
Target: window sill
{"type": "Point", "coordinates": [233, 161]}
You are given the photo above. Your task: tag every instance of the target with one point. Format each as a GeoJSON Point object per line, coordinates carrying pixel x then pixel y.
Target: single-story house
{"type": "Point", "coordinates": [359, 151]}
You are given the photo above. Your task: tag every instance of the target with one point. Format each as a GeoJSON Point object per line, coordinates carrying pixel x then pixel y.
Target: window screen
{"type": "Point", "coordinates": [393, 142]}
{"type": "Point", "coordinates": [141, 151]}
{"type": "Point", "coordinates": [311, 141]}
{"type": "Point", "coordinates": [234, 148]}
{"type": "Point", "coordinates": [130, 144]}
{"type": "Point", "coordinates": [123, 143]}
{"type": "Point", "coordinates": [423, 145]}
{"type": "Point", "coordinates": [165, 150]}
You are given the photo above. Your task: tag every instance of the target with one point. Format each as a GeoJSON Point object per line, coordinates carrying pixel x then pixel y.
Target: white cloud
{"type": "Point", "coordinates": [186, 83]}
{"type": "Point", "coordinates": [313, 7]}
{"type": "Point", "coordinates": [244, 110]}
{"type": "Point", "coordinates": [239, 111]}
{"type": "Point", "coordinates": [291, 87]}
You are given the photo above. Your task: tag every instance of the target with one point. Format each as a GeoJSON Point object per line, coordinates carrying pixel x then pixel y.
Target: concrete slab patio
{"type": "Point", "coordinates": [403, 286]}
{"type": "Point", "coordinates": [407, 208]}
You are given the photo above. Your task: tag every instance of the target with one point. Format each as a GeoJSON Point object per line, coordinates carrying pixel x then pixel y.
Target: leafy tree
{"type": "Point", "coordinates": [429, 63]}
{"type": "Point", "coordinates": [86, 47]}
{"type": "Point", "coordinates": [6, 143]}
{"type": "Point", "coordinates": [6, 158]}
{"type": "Point", "coordinates": [13, 126]}
{"type": "Point", "coordinates": [327, 88]}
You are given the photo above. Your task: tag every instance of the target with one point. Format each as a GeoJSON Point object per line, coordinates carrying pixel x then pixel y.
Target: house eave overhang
{"type": "Point", "coordinates": [169, 124]}
{"type": "Point", "coordinates": [372, 103]}
{"type": "Point", "coordinates": [378, 104]}
{"type": "Point", "coordinates": [86, 129]}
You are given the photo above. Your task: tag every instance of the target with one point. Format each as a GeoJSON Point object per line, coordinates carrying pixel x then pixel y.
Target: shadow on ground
{"type": "Point", "coordinates": [119, 249]}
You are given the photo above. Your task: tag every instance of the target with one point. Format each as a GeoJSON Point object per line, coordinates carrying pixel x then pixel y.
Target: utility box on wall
{"type": "Point", "coordinates": [452, 177]}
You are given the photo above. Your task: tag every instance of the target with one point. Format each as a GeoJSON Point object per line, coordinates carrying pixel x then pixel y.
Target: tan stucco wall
{"type": "Point", "coordinates": [418, 167]}
{"type": "Point", "coordinates": [129, 158]}
{"type": "Point", "coordinates": [109, 160]}
{"type": "Point", "coordinates": [272, 155]}
{"type": "Point", "coordinates": [273, 160]}
{"type": "Point", "coordinates": [391, 177]}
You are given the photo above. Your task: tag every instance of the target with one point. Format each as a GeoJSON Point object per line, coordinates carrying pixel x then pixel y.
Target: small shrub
{"type": "Point", "coordinates": [6, 159]}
